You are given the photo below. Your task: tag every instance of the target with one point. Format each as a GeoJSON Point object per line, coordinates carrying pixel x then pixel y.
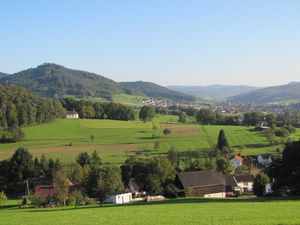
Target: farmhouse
{"type": "Point", "coordinates": [206, 183]}
{"type": "Point", "coordinates": [72, 114]}
{"type": "Point", "coordinates": [133, 187]}
{"type": "Point", "coordinates": [119, 198]}
{"type": "Point", "coordinates": [48, 191]}
{"type": "Point", "coordinates": [245, 182]}
{"type": "Point", "coordinates": [237, 161]}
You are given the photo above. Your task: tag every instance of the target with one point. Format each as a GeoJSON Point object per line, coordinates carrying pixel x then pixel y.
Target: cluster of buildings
{"type": "Point", "coordinates": [262, 160]}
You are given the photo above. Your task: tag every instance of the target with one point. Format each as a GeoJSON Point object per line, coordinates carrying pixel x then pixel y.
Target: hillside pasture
{"type": "Point", "coordinates": [169, 212]}
{"type": "Point", "coordinates": [117, 140]}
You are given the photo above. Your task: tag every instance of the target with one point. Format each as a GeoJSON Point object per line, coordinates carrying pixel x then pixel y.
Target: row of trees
{"type": "Point", "coordinates": [99, 110]}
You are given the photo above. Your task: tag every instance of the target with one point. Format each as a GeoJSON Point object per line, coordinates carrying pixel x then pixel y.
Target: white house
{"type": "Point", "coordinates": [119, 198]}
{"type": "Point", "coordinates": [237, 161]}
{"type": "Point", "coordinates": [264, 160]}
{"type": "Point", "coordinates": [72, 115]}
{"type": "Point", "coordinates": [245, 182]}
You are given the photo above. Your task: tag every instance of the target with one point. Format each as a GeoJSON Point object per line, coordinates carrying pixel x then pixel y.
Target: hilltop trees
{"type": "Point", "coordinates": [146, 113]}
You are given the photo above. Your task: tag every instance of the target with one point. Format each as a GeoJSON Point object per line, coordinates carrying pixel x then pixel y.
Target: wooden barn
{"type": "Point", "coordinates": [206, 183]}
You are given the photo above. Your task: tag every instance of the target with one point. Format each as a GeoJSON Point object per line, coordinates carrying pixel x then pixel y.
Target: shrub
{"type": "Point", "coordinates": [38, 201]}
{"type": "Point", "coordinates": [3, 197]}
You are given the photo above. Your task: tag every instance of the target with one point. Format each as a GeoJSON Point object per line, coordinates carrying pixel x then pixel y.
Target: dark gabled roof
{"type": "Point", "coordinates": [244, 178]}
{"type": "Point", "coordinates": [72, 112]}
{"type": "Point", "coordinates": [230, 180]}
{"type": "Point", "coordinates": [200, 178]}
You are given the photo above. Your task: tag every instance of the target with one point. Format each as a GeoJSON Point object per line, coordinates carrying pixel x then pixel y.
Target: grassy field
{"type": "Point", "coordinates": [117, 140]}
{"type": "Point", "coordinates": [170, 212]}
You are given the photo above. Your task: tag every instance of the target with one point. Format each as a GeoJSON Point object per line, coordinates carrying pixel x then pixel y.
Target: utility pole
{"type": "Point", "coordinates": [27, 188]}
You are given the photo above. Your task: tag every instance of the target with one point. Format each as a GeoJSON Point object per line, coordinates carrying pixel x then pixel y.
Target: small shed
{"type": "Point", "coordinates": [72, 114]}
{"type": "Point", "coordinates": [119, 198]}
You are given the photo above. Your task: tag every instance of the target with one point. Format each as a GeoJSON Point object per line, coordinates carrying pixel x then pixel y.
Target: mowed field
{"type": "Point", "coordinates": [117, 140]}
{"type": "Point", "coordinates": [169, 212]}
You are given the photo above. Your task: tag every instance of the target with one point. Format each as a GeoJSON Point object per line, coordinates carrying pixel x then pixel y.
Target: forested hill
{"type": "Point", "coordinates": [3, 74]}
{"type": "Point", "coordinates": [284, 93]}
{"type": "Point", "coordinates": [157, 91]}
{"type": "Point", "coordinates": [55, 81]}
{"type": "Point", "coordinates": [19, 107]}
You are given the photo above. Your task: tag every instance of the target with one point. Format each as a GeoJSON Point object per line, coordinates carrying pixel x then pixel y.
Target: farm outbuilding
{"type": "Point", "coordinates": [119, 198]}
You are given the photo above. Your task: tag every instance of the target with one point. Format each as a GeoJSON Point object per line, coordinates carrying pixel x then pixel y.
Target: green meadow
{"type": "Point", "coordinates": [170, 212]}
{"type": "Point", "coordinates": [117, 140]}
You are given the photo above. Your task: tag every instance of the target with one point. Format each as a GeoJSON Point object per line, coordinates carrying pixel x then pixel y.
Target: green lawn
{"type": "Point", "coordinates": [117, 140]}
{"type": "Point", "coordinates": [169, 212]}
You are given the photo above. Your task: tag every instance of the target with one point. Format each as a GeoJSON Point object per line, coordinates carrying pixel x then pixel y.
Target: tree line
{"type": "Point", "coordinates": [99, 110]}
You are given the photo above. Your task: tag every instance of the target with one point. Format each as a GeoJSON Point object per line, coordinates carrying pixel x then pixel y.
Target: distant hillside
{"type": "Point", "coordinates": [284, 93]}
{"type": "Point", "coordinates": [213, 92]}
{"type": "Point", "coordinates": [3, 74]}
{"type": "Point", "coordinates": [154, 90]}
{"type": "Point", "coordinates": [52, 80]}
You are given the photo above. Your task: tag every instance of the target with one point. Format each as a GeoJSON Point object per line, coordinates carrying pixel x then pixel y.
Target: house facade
{"type": "Point", "coordinates": [72, 115]}
{"type": "Point", "coordinates": [237, 161]}
{"type": "Point", "coordinates": [245, 182]}
{"type": "Point", "coordinates": [206, 183]}
{"type": "Point", "coordinates": [264, 160]}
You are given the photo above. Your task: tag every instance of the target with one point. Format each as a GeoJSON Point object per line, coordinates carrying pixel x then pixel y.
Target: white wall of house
{"type": "Point", "coordinates": [246, 186]}
{"type": "Point", "coordinates": [236, 163]}
{"type": "Point", "coordinates": [268, 188]}
{"type": "Point", "coordinates": [264, 161]}
{"type": "Point", "coordinates": [215, 195]}
{"type": "Point", "coordinates": [72, 116]}
{"type": "Point", "coordinates": [119, 198]}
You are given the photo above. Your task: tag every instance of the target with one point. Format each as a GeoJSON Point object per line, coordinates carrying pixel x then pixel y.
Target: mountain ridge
{"type": "Point", "coordinates": [213, 92]}
{"type": "Point", "coordinates": [56, 81]}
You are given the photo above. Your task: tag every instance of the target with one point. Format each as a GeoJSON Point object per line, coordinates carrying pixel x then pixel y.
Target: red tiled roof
{"type": "Point", "coordinates": [237, 157]}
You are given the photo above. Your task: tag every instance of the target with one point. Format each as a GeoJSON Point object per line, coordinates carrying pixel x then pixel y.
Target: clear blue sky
{"type": "Point", "coordinates": [167, 42]}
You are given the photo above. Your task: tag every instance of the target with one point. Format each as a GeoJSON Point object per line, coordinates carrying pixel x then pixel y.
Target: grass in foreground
{"type": "Point", "coordinates": [170, 212]}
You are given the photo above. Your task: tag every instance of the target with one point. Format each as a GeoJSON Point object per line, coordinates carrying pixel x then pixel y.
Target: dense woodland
{"type": "Point", "coordinates": [19, 107]}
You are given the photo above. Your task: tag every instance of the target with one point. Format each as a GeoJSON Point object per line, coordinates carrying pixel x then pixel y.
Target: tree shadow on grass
{"type": "Point", "coordinates": [172, 202]}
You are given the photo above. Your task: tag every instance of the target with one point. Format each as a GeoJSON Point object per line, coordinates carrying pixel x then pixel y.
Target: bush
{"type": "Point", "coordinates": [38, 201]}
{"type": "Point", "coordinates": [167, 131]}
{"type": "Point", "coordinates": [12, 134]}
{"type": "Point", "coordinates": [282, 132]}
{"type": "Point", "coordinates": [3, 197]}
